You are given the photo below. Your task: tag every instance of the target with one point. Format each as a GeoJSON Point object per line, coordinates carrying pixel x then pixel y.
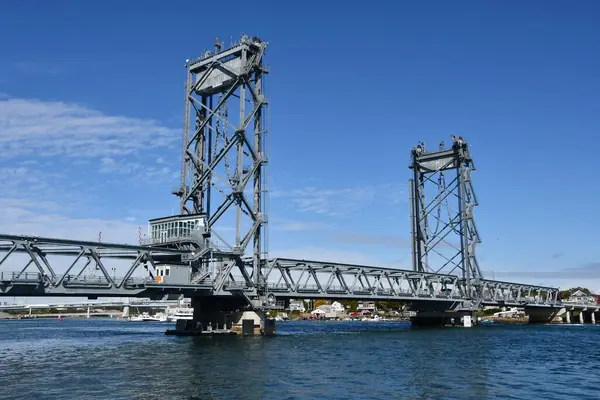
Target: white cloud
{"type": "Point", "coordinates": [33, 218]}
{"type": "Point", "coordinates": [52, 128]}
{"type": "Point", "coordinates": [341, 201]}
{"type": "Point", "coordinates": [316, 253]}
{"type": "Point", "coordinates": [23, 217]}
{"type": "Point", "coordinates": [297, 225]}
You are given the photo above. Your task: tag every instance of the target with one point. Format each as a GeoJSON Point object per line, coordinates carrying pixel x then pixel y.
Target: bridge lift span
{"type": "Point", "coordinates": [227, 273]}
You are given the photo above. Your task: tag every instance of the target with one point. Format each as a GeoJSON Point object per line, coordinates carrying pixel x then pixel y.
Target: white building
{"type": "Point", "coordinates": [319, 312]}
{"type": "Point", "coordinates": [334, 310]}
{"type": "Point", "coordinates": [513, 312]}
{"type": "Point", "coordinates": [297, 305]}
{"type": "Point", "coordinates": [579, 296]}
{"type": "Point", "coordinates": [366, 306]}
{"type": "Point", "coordinates": [338, 307]}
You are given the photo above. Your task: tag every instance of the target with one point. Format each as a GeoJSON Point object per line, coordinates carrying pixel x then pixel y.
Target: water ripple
{"type": "Point", "coordinates": [108, 359]}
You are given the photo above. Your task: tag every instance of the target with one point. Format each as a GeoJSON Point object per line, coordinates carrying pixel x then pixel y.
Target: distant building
{"type": "Point", "coordinates": [579, 296]}
{"type": "Point", "coordinates": [325, 311]}
{"type": "Point", "coordinates": [366, 307]}
{"type": "Point", "coordinates": [335, 310]}
{"type": "Point", "coordinates": [319, 312]}
{"type": "Point", "coordinates": [297, 305]}
{"type": "Point", "coordinates": [513, 312]}
{"type": "Point", "coordinates": [338, 307]}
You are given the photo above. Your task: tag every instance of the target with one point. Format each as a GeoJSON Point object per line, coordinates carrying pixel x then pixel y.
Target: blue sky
{"type": "Point", "coordinates": [91, 107]}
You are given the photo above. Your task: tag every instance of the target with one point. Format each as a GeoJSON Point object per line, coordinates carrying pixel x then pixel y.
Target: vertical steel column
{"type": "Point", "coordinates": [413, 241]}
{"type": "Point", "coordinates": [463, 228]}
{"type": "Point", "coordinates": [186, 133]}
{"type": "Point", "coordinates": [258, 204]}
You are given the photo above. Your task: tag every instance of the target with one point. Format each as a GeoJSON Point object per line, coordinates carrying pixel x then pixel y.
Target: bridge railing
{"type": "Point", "coordinates": [193, 235]}
{"type": "Point", "coordinates": [13, 276]}
{"type": "Point", "coordinates": [581, 302]}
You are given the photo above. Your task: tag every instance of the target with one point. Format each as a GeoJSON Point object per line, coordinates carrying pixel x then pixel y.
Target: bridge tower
{"type": "Point", "coordinates": [224, 160]}
{"type": "Point", "coordinates": [442, 200]}
{"type": "Point", "coordinates": [223, 172]}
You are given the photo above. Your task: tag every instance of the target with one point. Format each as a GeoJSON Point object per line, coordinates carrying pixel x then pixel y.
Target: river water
{"type": "Point", "coordinates": [110, 359]}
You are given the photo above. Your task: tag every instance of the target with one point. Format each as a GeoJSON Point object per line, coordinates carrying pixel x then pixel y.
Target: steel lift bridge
{"type": "Point", "coordinates": [215, 249]}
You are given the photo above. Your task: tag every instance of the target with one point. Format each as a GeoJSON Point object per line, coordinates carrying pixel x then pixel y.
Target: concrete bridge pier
{"type": "Point", "coordinates": [542, 315]}
{"type": "Point", "coordinates": [589, 316]}
{"type": "Point", "coordinates": [568, 317]}
{"type": "Point", "coordinates": [224, 315]}
{"type": "Point", "coordinates": [440, 319]}
{"type": "Point", "coordinates": [582, 317]}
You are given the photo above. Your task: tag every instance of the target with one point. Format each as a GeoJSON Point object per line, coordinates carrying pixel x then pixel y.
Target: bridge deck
{"type": "Point", "coordinates": [283, 277]}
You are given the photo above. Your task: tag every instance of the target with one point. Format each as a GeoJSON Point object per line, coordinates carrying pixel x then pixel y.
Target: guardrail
{"type": "Point", "coordinates": [590, 303]}
{"type": "Point", "coordinates": [36, 277]}
{"type": "Point", "coordinates": [11, 276]}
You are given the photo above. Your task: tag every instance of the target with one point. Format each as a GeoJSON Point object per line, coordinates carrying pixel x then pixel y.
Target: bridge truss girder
{"type": "Point", "coordinates": [290, 278]}
{"type": "Point", "coordinates": [287, 278]}
{"type": "Point", "coordinates": [31, 265]}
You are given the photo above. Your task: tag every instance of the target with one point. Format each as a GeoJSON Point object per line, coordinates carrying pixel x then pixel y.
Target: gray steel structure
{"type": "Point", "coordinates": [220, 268]}
{"type": "Point", "coordinates": [442, 200]}
{"type": "Point", "coordinates": [224, 157]}
{"type": "Point", "coordinates": [287, 278]}
{"type": "Point", "coordinates": [39, 259]}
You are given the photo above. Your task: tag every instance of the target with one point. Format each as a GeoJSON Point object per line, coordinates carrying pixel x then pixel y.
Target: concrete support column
{"type": "Point", "coordinates": [125, 312]}
{"type": "Point", "coordinates": [224, 315]}
{"type": "Point", "coordinates": [593, 315]}
{"type": "Point", "coordinates": [441, 319]}
{"type": "Point", "coordinates": [467, 321]}
{"type": "Point", "coordinates": [568, 317]}
{"type": "Point", "coordinates": [541, 315]}
{"type": "Point", "coordinates": [88, 312]}
{"type": "Point", "coordinates": [581, 320]}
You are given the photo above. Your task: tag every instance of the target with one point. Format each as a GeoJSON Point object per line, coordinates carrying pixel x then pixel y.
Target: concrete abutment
{"type": "Point", "coordinates": [541, 315]}
{"type": "Point", "coordinates": [432, 319]}
{"type": "Point", "coordinates": [226, 315]}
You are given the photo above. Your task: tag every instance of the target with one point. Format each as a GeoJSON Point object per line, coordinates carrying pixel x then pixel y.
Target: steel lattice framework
{"type": "Point", "coordinates": [442, 205]}
{"type": "Point", "coordinates": [224, 153]}
{"type": "Point", "coordinates": [55, 267]}
{"type": "Point", "coordinates": [60, 267]}
{"type": "Point", "coordinates": [223, 183]}
{"type": "Point", "coordinates": [292, 278]}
